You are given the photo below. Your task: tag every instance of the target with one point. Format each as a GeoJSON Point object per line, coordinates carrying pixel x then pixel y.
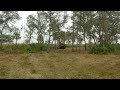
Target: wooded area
{"type": "Point", "coordinates": [70, 45]}
{"type": "Point", "coordinates": [97, 31]}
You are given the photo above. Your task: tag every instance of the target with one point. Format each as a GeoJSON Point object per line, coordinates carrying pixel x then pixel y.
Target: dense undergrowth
{"type": "Point", "coordinates": [115, 49]}
{"type": "Point", "coordinates": [35, 47]}
{"type": "Point", "coordinates": [23, 48]}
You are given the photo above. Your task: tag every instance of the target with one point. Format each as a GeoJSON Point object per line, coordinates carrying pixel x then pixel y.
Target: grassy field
{"type": "Point", "coordinates": [60, 64]}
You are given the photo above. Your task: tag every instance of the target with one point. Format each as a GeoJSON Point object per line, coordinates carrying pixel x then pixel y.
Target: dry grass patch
{"type": "Point", "coordinates": [61, 64]}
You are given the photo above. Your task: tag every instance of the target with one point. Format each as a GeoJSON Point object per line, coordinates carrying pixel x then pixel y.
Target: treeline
{"type": "Point", "coordinates": [97, 30]}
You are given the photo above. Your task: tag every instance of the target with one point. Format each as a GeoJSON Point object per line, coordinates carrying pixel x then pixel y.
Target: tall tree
{"type": "Point", "coordinates": [16, 34]}
{"type": "Point", "coordinates": [41, 26]}
{"type": "Point", "coordinates": [30, 29]}
{"type": "Point", "coordinates": [106, 25]}
{"type": "Point", "coordinates": [56, 20]}
{"type": "Point", "coordinates": [37, 24]}
{"type": "Point", "coordinates": [73, 29]}
{"type": "Point", "coordinates": [7, 21]}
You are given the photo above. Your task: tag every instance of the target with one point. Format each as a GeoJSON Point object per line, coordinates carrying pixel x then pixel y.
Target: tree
{"type": "Point", "coordinates": [56, 21]}
{"type": "Point", "coordinates": [41, 26]}
{"type": "Point", "coordinates": [6, 38]}
{"type": "Point", "coordinates": [7, 21]}
{"type": "Point", "coordinates": [73, 28]}
{"type": "Point", "coordinates": [68, 37]}
{"type": "Point", "coordinates": [37, 24]}
{"type": "Point", "coordinates": [30, 29]}
{"type": "Point", "coordinates": [106, 26]}
{"type": "Point", "coordinates": [16, 34]}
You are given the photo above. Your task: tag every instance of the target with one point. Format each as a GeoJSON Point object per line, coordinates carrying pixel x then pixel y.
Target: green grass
{"type": "Point", "coordinates": [59, 64]}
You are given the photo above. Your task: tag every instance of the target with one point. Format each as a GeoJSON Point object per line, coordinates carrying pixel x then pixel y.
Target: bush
{"type": "Point", "coordinates": [111, 48]}
{"type": "Point", "coordinates": [102, 50]}
{"type": "Point", "coordinates": [36, 47]}
{"type": "Point", "coordinates": [23, 48]}
{"type": "Point", "coordinates": [99, 50]}
{"type": "Point", "coordinates": [1, 48]}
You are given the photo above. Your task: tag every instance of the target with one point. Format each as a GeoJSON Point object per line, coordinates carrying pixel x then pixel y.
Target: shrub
{"type": "Point", "coordinates": [111, 48]}
{"type": "Point", "coordinates": [1, 48]}
{"type": "Point", "coordinates": [36, 47]}
{"type": "Point", "coordinates": [99, 50]}
{"type": "Point", "coordinates": [104, 50]}
{"type": "Point", "coordinates": [23, 48]}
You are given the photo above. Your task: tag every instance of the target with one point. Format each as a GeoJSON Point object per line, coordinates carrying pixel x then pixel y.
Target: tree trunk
{"type": "Point", "coordinates": [38, 42]}
{"type": "Point", "coordinates": [90, 38]}
{"type": "Point", "coordinates": [64, 38]}
{"type": "Point", "coordinates": [16, 41]}
{"type": "Point", "coordinates": [80, 30]}
{"type": "Point", "coordinates": [55, 45]}
{"type": "Point", "coordinates": [85, 40]}
{"type": "Point", "coordinates": [73, 37]}
{"type": "Point", "coordinates": [49, 42]}
{"type": "Point", "coordinates": [116, 40]}
{"type": "Point", "coordinates": [77, 40]}
{"type": "Point", "coordinates": [94, 40]}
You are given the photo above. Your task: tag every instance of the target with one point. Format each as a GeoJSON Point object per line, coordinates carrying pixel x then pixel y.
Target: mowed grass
{"type": "Point", "coordinates": [60, 64]}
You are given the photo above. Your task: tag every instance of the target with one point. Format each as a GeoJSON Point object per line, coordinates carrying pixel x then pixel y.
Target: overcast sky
{"type": "Point", "coordinates": [24, 15]}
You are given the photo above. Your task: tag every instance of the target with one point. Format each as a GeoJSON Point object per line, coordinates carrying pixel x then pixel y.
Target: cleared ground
{"type": "Point", "coordinates": [62, 64]}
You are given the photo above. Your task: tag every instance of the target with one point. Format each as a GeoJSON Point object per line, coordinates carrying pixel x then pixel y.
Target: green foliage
{"type": "Point", "coordinates": [6, 38]}
{"type": "Point", "coordinates": [111, 48]}
{"type": "Point", "coordinates": [102, 50]}
{"type": "Point", "coordinates": [99, 50]}
{"type": "Point", "coordinates": [1, 48]}
{"type": "Point", "coordinates": [23, 48]}
{"type": "Point", "coordinates": [36, 48]}
{"type": "Point", "coordinates": [16, 34]}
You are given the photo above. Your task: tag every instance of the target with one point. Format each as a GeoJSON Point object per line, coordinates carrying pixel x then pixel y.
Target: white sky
{"type": "Point", "coordinates": [24, 15]}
